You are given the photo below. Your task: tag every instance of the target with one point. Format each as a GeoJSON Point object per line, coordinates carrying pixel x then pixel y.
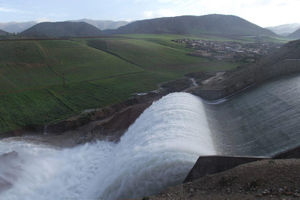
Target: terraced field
{"type": "Point", "coordinates": [42, 81]}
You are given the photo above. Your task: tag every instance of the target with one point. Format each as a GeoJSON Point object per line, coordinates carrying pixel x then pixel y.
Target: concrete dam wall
{"type": "Point", "coordinates": [262, 121]}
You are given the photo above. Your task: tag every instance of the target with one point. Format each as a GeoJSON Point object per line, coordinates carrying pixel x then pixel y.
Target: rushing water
{"type": "Point", "coordinates": [160, 148]}
{"type": "Point", "coordinates": [157, 151]}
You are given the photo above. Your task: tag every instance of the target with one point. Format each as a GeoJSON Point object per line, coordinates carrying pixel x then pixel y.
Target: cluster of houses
{"type": "Point", "coordinates": [229, 50]}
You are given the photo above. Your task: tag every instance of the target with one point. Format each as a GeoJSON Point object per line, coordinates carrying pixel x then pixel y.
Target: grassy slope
{"type": "Point", "coordinates": [31, 73]}
{"type": "Point", "coordinates": [36, 64]}
{"type": "Point", "coordinates": [159, 55]}
{"type": "Point", "coordinates": [31, 83]}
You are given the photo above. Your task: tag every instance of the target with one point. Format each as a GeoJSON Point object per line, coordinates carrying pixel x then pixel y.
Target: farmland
{"type": "Point", "coordinates": [43, 81]}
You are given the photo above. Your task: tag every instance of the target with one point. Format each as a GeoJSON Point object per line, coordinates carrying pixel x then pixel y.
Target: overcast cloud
{"type": "Point", "coordinates": [261, 12]}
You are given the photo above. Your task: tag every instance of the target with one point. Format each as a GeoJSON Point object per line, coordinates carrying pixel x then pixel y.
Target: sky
{"type": "Point", "coordinates": [261, 12]}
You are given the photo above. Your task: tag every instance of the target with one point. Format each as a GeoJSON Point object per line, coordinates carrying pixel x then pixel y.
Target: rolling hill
{"type": "Point", "coordinates": [195, 25]}
{"type": "Point", "coordinates": [295, 35]}
{"type": "Point", "coordinates": [61, 29]}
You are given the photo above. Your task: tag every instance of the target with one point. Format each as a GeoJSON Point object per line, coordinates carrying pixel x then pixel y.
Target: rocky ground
{"type": "Point", "coordinates": [267, 179]}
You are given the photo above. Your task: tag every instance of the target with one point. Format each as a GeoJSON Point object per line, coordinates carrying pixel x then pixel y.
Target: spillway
{"type": "Point", "coordinates": [157, 151]}
{"type": "Point", "coordinates": [160, 148]}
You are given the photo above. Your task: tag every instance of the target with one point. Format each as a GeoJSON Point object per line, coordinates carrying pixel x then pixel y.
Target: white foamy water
{"type": "Point", "coordinates": [157, 151]}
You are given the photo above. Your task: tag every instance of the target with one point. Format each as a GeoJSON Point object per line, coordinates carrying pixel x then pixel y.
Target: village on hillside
{"type": "Point", "coordinates": [229, 50]}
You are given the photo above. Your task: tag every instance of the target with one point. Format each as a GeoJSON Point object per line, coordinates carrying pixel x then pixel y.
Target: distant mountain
{"type": "Point", "coordinates": [3, 33]}
{"type": "Point", "coordinates": [62, 29]}
{"type": "Point", "coordinates": [285, 29]}
{"type": "Point", "coordinates": [295, 35]}
{"type": "Point", "coordinates": [104, 24]}
{"type": "Point", "coordinates": [195, 25]}
{"type": "Point", "coordinates": [16, 27]}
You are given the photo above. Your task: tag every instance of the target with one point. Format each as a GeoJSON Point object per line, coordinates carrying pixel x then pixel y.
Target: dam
{"type": "Point", "coordinates": [160, 148]}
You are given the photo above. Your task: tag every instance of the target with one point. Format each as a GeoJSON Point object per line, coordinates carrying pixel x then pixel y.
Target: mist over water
{"type": "Point", "coordinates": [157, 151]}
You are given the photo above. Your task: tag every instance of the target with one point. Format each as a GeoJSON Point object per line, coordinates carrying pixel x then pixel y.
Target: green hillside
{"type": "Point", "coordinates": [42, 81]}
{"type": "Point", "coordinates": [159, 55]}
{"type": "Point", "coordinates": [36, 64]}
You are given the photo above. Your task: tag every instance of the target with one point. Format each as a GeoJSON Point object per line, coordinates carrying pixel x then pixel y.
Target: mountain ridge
{"type": "Point", "coordinates": [284, 29]}
{"type": "Point", "coordinates": [62, 29]}
{"type": "Point", "coordinates": [194, 25]}
{"type": "Point", "coordinates": [103, 24]}
{"type": "Point", "coordinates": [16, 27]}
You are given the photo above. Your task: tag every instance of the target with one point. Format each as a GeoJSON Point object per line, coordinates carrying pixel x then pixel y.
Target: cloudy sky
{"type": "Point", "coordinates": [261, 12]}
